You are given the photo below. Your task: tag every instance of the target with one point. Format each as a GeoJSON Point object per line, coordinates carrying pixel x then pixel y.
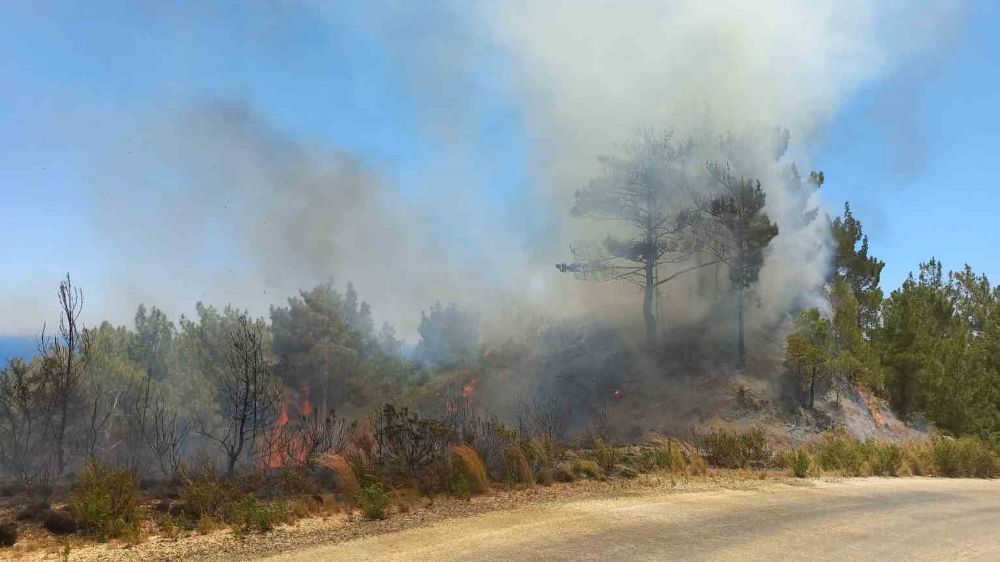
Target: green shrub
{"type": "Point", "coordinates": [517, 471]}
{"type": "Point", "coordinates": [966, 456]}
{"type": "Point", "coordinates": [250, 515]}
{"type": "Point", "coordinates": [169, 526]}
{"type": "Point", "coordinates": [839, 452]}
{"type": "Point", "coordinates": [737, 449]}
{"type": "Point", "coordinates": [607, 456]}
{"type": "Point", "coordinates": [801, 463]}
{"type": "Point", "coordinates": [374, 499]}
{"type": "Point", "coordinates": [884, 458]}
{"type": "Point", "coordinates": [204, 493]}
{"type": "Point", "coordinates": [586, 468]}
{"type": "Point", "coordinates": [105, 502]}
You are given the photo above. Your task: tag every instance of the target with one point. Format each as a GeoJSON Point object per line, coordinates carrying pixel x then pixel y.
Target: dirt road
{"type": "Point", "coordinates": [862, 519]}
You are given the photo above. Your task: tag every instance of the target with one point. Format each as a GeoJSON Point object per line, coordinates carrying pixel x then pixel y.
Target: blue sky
{"type": "Point", "coordinates": [77, 80]}
{"type": "Point", "coordinates": [935, 195]}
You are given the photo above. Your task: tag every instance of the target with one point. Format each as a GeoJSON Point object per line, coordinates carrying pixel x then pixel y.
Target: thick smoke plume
{"type": "Point", "coordinates": [229, 208]}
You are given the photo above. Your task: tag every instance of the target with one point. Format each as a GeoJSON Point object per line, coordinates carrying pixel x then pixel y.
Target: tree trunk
{"type": "Point", "coordinates": [742, 341]}
{"type": "Point", "coordinates": [812, 389]}
{"type": "Point", "coordinates": [647, 304]}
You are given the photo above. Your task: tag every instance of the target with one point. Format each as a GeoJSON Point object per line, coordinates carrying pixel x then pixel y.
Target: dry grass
{"type": "Point", "coordinates": [346, 477]}
{"type": "Point", "coordinates": [471, 468]}
{"type": "Point", "coordinates": [518, 470]}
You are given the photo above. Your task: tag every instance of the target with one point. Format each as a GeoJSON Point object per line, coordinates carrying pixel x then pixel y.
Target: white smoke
{"type": "Point", "coordinates": [244, 213]}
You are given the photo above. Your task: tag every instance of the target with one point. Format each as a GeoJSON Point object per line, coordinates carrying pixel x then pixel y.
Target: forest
{"type": "Point", "coordinates": [315, 387]}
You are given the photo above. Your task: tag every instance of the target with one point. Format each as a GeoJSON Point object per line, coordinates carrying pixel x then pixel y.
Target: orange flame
{"type": "Point", "coordinates": [468, 389]}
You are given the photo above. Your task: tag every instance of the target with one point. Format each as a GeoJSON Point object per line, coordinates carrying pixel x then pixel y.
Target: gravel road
{"type": "Point", "coordinates": [856, 519]}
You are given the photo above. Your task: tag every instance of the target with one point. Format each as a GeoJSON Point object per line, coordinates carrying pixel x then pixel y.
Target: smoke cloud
{"type": "Point", "coordinates": [233, 209]}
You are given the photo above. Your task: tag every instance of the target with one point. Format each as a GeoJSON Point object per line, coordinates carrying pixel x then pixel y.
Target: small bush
{"type": "Point", "coordinates": [169, 526]}
{"type": "Point", "coordinates": [204, 493]}
{"type": "Point", "coordinates": [963, 457]}
{"type": "Point", "coordinates": [105, 502]}
{"type": "Point", "coordinates": [586, 468]}
{"type": "Point", "coordinates": [884, 458]}
{"type": "Point", "coordinates": [470, 468]}
{"type": "Point", "coordinates": [607, 456]}
{"type": "Point", "coordinates": [738, 449]}
{"type": "Point", "coordinates": [917, 459]}
{"type": "Point", "coordinates": [564, 472]}
{"type": "Point", "coordinates": [517, 470]}
{"type": "Point", "coordinates": [250, 515]}
{"type": "Point", "coordinates": [839, 452]}
{"type": "Point", "coordinates": [8, 534]}
{"type": "Point", "coordinates": [347, 480]}
{"type": "Point", "coordinates": [59, 522]}
{"type": "Point", "coordinates": [205, 524]}
{"type": "Point", "coordinates": [374, 499]}
{"type": "Point", "coordinates": [801, 463]}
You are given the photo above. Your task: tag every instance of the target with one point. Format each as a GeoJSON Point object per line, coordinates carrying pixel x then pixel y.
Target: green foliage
{"type": "Point", "coordinates": [733, 448]}
{"type": "Point", "coordinates": [860, 271]}
{"type": "Point", "coordinates": [940, 345]}
{"type": "Point", "coordinates": [105, 502]}
{"type": "Point", "coordinates": [374, 499]}
{"type": "Point", "coordinates": [838, 453]}
{"type": "Point", "coordinates": [608, 456]}
{"type": "Point", "coordinates": [204, 493]}
{"type": "Point", "coordinates": [449, 337]}
{"type": "Point", "coordinates": [321, 337]}
{"type": "Point", "coordinates": [250, 515]}
{"type": "Point", "coordinates": [517, 470]}
{"type": "Point", "coordinates": [965, 457]}
{"type": "Point", "coordinates": [807, 350]}
{"type": "Point", "coordinates": [801, 463]}
{"type": "Point", "coordinates": [586, 468]}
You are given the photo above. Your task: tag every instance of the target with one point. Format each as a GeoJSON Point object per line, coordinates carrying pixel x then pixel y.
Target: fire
{"type": "Point", "coordinates": [468, 389]}
{"type": "Point", "coordinates": [302, 407]}
{"type": "Point", "coordinates": [617, 393]}
{"type": "Point", "coordinates": [305, 407]}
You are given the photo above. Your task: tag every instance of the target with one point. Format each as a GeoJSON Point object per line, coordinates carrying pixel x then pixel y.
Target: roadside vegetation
{"type": "Point", "coordinates": [223, 420]}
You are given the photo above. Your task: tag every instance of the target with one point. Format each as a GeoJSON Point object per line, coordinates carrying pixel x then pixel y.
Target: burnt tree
{"type": "Point", "coordinates": [248, 395]}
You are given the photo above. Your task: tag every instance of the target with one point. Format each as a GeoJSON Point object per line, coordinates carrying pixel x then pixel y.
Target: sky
{"type": "Point", "coordinates": [90, 94]}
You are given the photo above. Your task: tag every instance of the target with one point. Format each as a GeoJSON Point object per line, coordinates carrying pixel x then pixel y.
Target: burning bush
{"type": "Point", "coordinates": [347, 480]}
{"type": "Point", "coordinates": [105, 502]}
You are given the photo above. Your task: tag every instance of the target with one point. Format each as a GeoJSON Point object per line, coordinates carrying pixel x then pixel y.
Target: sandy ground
{"type": "Point", "coordinates": [859, 519]}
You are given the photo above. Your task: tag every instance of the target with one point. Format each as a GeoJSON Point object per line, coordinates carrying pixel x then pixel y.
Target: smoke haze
{"type": "Point", "coordinates": [211, 200]}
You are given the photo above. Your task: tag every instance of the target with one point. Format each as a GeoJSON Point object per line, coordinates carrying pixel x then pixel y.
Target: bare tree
{"type": "Point", "coordinates": [248, 395]}
{"type": "Point", "coordinates": [63, 368]}
{"type": "Point", "coordinates": [736, 232]}
{"type": "Point", "coordinates": [159, 426]}
{"type": "Point", "coordinates": [103, 404]}
{"type": "Point", "coordinates": [645, 191]}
